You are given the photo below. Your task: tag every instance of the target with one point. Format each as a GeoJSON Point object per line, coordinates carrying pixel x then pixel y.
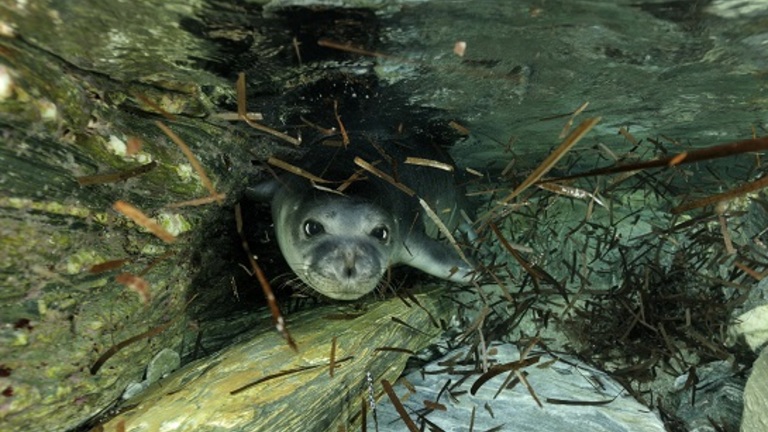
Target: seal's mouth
{"type": "Point", "coordinates": [348, 289]}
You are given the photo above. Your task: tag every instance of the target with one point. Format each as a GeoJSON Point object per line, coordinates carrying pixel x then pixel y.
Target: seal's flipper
{"type": "Point", "coordinates": [436, 258]}
{"type": "Point", "coordinates": [263, 191]}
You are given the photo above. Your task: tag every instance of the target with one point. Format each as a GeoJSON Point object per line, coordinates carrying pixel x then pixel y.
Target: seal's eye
{"type": "Point", "coordinates": [313, 228]}
{"type": "Point", "coordinates": [380, 233]}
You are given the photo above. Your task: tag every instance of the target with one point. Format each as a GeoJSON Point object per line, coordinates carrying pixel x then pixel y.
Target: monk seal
{"type": "Point", "coordinates": [340, 240]}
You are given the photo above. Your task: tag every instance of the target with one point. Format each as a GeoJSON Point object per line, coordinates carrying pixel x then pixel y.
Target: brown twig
{"type": "Point", "coordinates": [554, 157]}
{"type": "Point", "coordinates": [429, 163]}
{"type": "Point", "coordinates": [296, 170]}
{"type": "Point", "coordinates": [277, 317]}
{"type": "Point", "coordinates": [191, 158]}
{"type": "Point", "coordinates": [241, 112]}
{"type": "Point", "coordinates": [728, 195]}
{"type": "Point", "coordinates": [117, 347]}
{"type": "Point", "coordinates": [143, 220]}
{"type": "Point", "coordinates": [399, 406]}
{"type": "Point", "coordinates": [137, 284]}
{"type": "Point", "coordinates": [118, 176]}
{"type": "Point", "coordinates": [108, 265]}
{"type": "Point", "coordinates": [382, 175]}
{"type": "Point", "coordinates": [197, 201]}
{"type": "Point", "coordinates": [729, 149]}
{"type": "Point", "coordinates": [342, 129]}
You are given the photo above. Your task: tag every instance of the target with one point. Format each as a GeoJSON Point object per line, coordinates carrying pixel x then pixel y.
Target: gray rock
{"type": "Point", "coordinates": [162, 364]}
{"type": "Point", "coordinates": [755, 417]}
{"type": "Point", "coordinates": [554, 381]}
{"type": "Point", "coordinates": [718, 398]}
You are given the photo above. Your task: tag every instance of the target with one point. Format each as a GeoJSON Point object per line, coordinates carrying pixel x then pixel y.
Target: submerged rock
{"type": "Point", "coordinates": [569, 395]}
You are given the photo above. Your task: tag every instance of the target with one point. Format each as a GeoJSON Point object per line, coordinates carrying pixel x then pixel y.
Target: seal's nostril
{"type": "Point", "coordinates": [349, 271]}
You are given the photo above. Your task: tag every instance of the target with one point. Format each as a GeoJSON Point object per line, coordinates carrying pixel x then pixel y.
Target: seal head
{"type": "Point", "coordinates": [338, 245]}
{"type": "Point", "coordinates": [341, 242]}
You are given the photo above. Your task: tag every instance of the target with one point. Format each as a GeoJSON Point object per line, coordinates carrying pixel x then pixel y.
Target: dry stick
{"type": "Point", "coordinates": [732, 148]}
{"type": "Point", "coordinates": [233, 116]}
{"type": "Point", "coordinates": [143, 220]}
{"type": "Point", "coordinates": [276, 133]}
{"type": "Point", "coordinates": [472, 419]}
{"type": "Point", "coordinates": [729, 249]}
{"type": "Point", "coordinates": [728, 195]}
{"type": "Point", "coordinates": [569, 123]}
{"type": "Point", "coordinates": [282, 374]}
{"type": "Point", "coordinates": [156, 107]}
{"type": "Point", "coordinates": [191, 158]}
{"type": "Point", "coordinates": [429, 163]}
{"type": "Point", "coordinates": [554, 157]}
{"type": "Point", "coordinates": [277, 317]}
{"type": "Point", "coordinates": [528, 386]}
{"type": "Point", "coordinates": [443, 229]}
{"type": "Point", "coordinates": [535, 274]}
{"type": "Point", "coordinates": [296, 49]}
{"type": "Point", "coordinates": [571, 192]}
{"type": "Point", "coordinates": [241, 112]}
{"type": "Point", "coordinates": [460, 129]}
{"type": "Point", "coordinates": [332, 360]}
{"type": "Point", "coordinates": [108, 265]}
{"type": "Point", "coordinates": [382, 175]}
{"type": "Point", "coordinates": [399, 406]}
{"type": "Point", "coordinates": [296, 170]}
{"type": "Point", "coordinates": [746, 269]}
{"type": "Point", "coordinates": [117, 347]}
{"type": "Point", "coordinates": [115, 177]}
{"type": "Point", "coordinates": [197, 201]}
{"type": "Point", "coordinates": [395, 349]}
{"type": "Point", "coordinates": [241, 95]}
{"type": "Point", "coordinates": [355, 50]}
{"type": "Point", "coordinates": [342, 129]}
{"type": "Point", "coordinates": [137, 284]}
{"type": "Point", "coordinates": [500, 369]}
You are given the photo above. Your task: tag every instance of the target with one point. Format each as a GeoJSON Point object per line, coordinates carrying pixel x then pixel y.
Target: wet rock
{"type": "Point", "coordinates": [574, 397]}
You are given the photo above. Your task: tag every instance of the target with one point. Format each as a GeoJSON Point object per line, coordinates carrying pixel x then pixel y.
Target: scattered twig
{"type": "Point", "coordinates": [733, 148]}
{"type": "Point", "coordinates": [443, 229]}
{"type": "Point", "coordinates": [241, 112]}
{"type": "Point", "coordinates": [118, 176]}
{"type": "Point", "coordinates": [382, 175]}
{"type": "Point", "coordinates": [117, 347]}
{"type": "Point", "coordinates": [352, 49]}
{"type": "Point", "coordinates": [155, 107]}
{"type": "Point", "coordinates": [233, 116]}
{"type": "Point", "coordinates": [399, 406]}
{"type": "Point", "coordinates": [282, 374]}
{"type": "Point", "coordinates": [137, 284]}
{"type": "Point", "coordinates": [728, 195]}
{"type": "Point", "coordinates": [460, 129]}
{"type": "Point", "coordinates": [496, 370]}
{"type": "Point", "coordinates": [570, 191]}
{"type": "Point", "coordinates": [342, 129]}
{"type": "Point", "coordinates": [143, 220]}
{"type": "Point", "coordinates": [296, 49]}
{"type": "Point", "coordinates": [277, 317]}
{"type": "Point", "coordinates": [569, 123]}
{"type": "Point", "coordinates": [191, 158]}
{"type": "Point", "coordinates": [197, 201]}
{"type": "Point", "coordinates": [296, 170]}
{"type": "Point", "coordinates": [429, 163]}
{"type": "Point", "coordinates": [554, 157]}
{"type": "Point", "coordinates": [332, 359]}
{"type": "Point", "coordinates": [108, 265]}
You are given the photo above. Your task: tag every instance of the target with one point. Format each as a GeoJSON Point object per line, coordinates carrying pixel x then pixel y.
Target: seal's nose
{"type": "Point", "coordinates": [349, 263]}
